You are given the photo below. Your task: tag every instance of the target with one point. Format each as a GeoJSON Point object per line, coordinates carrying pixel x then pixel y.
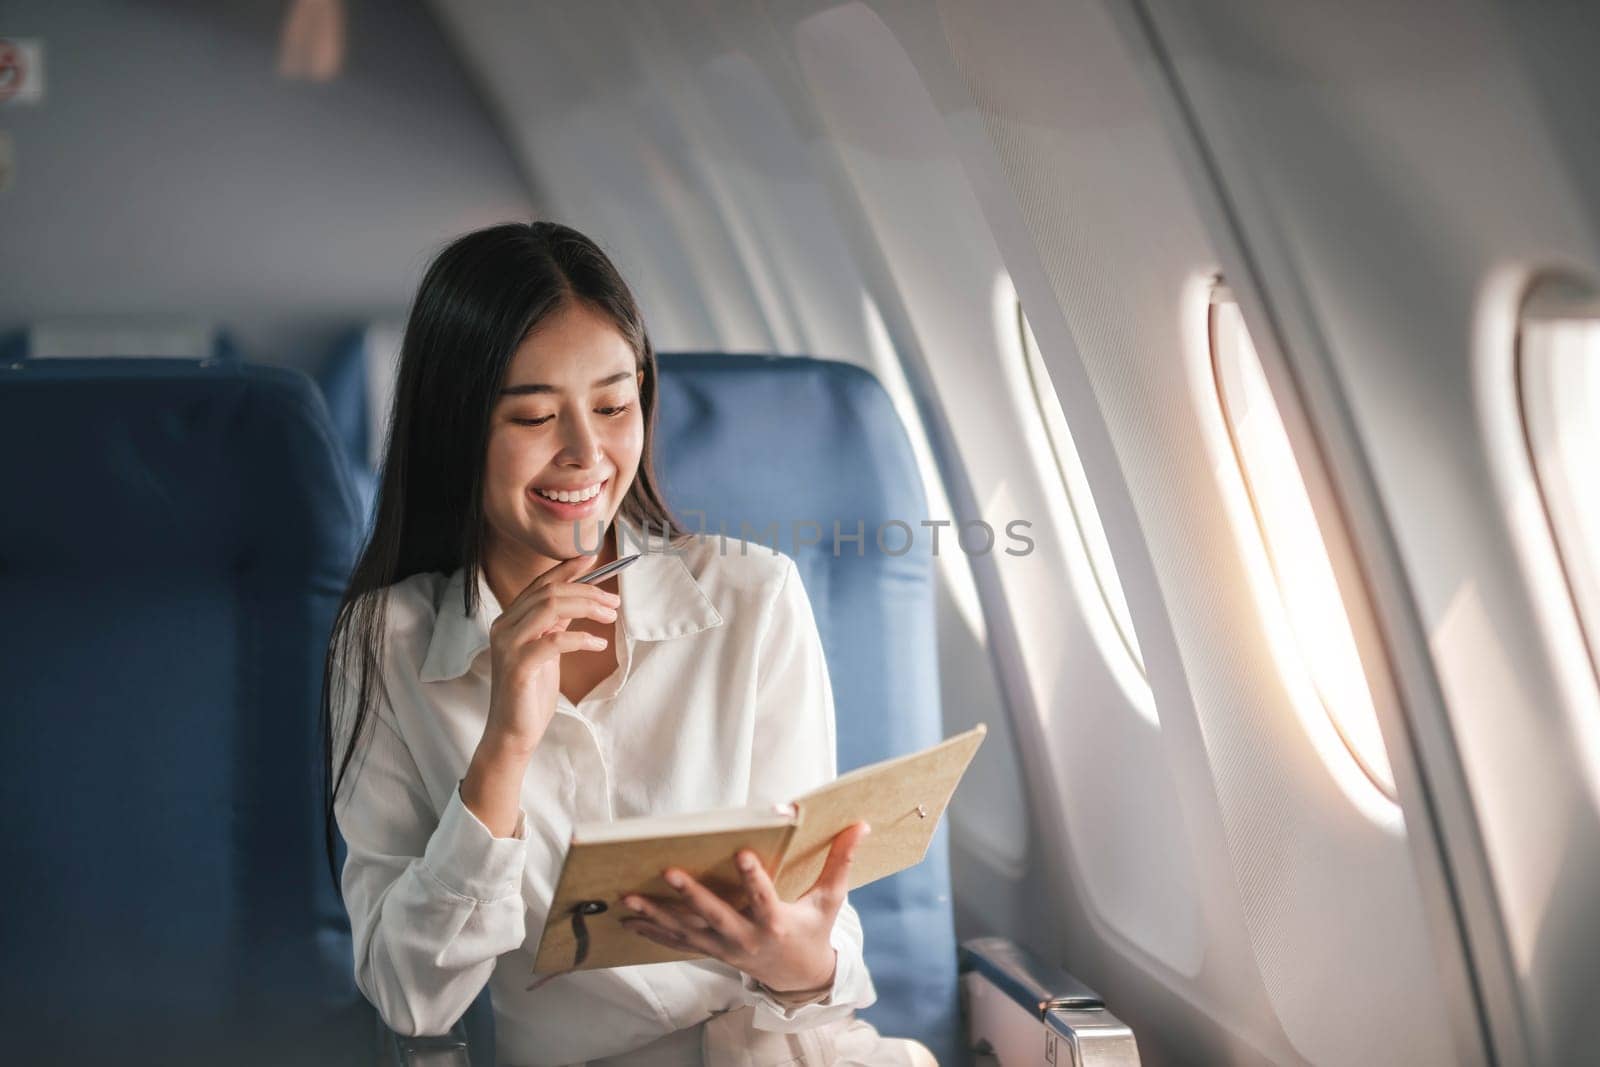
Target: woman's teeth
{"type": "Point", "coordinates": [563, 497]}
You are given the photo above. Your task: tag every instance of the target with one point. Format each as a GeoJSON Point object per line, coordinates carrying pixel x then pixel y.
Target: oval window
{"type": "Point", "coordinates": [1308, 593]}
{"type": "Point", "coordinates": [1558, 378]}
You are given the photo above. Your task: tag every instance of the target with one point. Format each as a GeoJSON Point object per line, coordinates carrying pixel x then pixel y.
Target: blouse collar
{"type": "Point", "coordinates": [661, 599]}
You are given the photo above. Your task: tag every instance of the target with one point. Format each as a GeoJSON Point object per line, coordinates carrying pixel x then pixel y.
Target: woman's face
{"type": "Point", "coordinates": [567, 422]}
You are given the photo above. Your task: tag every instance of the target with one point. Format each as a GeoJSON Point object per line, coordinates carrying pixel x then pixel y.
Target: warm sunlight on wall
{"type": "Point", "coordinates": [1558, 373]}
{"type": "Point", "coordinates": [1308, 593]}
{"type": "Point", "coordinates": [953, 566]}
{"type": "Point", "coordinates": [1094, 571]}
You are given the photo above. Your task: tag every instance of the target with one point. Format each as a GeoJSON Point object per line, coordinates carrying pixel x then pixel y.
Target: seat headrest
{"type": "Point", "coordinates": [358, 382]}
{"type": "Point", "coordinates": [115, 337]}
{"type": "Point", "coordinates": [151, 462]}
{"type": "Point", "coordinates": [792, 439]}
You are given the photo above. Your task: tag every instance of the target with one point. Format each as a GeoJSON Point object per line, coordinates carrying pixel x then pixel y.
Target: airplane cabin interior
{"type": "Point", "coordinates": [1204, 398]}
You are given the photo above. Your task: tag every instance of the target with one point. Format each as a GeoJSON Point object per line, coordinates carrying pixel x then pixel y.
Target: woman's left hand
{"type": "Point", "coordinates": [784, 946]}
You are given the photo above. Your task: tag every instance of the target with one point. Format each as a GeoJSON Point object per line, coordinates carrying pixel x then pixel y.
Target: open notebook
{"type": "Point", "coordinates": [901, 798]}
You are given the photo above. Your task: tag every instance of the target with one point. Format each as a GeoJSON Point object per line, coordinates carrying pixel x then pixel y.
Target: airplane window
{"type": "Point", "coordinates": [1558, 369]}
{"type": "Point", "coordinates": [1308, 593]}
{"type": "Point", "coordinates": [1091, 534]}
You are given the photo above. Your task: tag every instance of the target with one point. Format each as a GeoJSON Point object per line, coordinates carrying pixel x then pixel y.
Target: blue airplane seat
{"type": "Point", "coordinates": [176, 537]}
{"type": "Point", "coordinates": [343, 379]}
{"type": "Point", "coordinates": [792, 440]}
{"type": "Point", "coordinates": [357, 381]}
{"type": "Point", "coordinates": [20, 343]}
{"type": "Point", "coordinates": [13, 346]}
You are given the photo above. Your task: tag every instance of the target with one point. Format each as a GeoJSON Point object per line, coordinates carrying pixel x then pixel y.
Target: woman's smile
{"type": "Point", "coordinates": [574, 503]}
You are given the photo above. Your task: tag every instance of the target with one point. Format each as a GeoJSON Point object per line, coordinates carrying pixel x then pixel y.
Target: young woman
{"type": "Point", "coordinates": [478, 700]}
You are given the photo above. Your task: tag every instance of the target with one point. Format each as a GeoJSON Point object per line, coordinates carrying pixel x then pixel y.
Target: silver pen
{"type": "Point", "coordinates": [607, 571]}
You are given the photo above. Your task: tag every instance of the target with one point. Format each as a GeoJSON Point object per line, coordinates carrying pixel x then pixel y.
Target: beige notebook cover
{"type": "Point", "coordinates": [902, 798]}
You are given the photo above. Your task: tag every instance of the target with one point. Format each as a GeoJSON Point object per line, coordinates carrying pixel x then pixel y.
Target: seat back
{"type": "Point", "coordinates": [357, 381]}
{"type": "Point", "coordinates": [794, 441]}
{"type": "Point", "coordinates": [175, 539]}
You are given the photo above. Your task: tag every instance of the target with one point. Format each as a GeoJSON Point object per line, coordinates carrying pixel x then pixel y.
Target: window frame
{"type": "Point", "coordinates": [1381, 779]}
{"type": "Point", "coordinates": [1558, 297]}
{"type": "Point", "coordinates": [1033, 366]}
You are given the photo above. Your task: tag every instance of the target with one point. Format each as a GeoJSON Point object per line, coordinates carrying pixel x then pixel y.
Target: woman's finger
{"type": "Point", "coordinates": [686, 917]}
{"type": "Point", "coordinates": [654, 910]}
{"type": "Point", "coordinates": [565, 592]}
{"type": "Point", "coordinates": [703, 942]}
{"type": "Point", "coordinates": [764, 901]}
{"type": "Point", "coordinates": [565, 571]}
{"type": "Point", "coordinates": [828, 892]}
{"type": "Point", "coordinates": [660, 935]}
{"type": "Point", "coordinates": [723, 919]}
{"type": "Point", "coordinates": [559, 610]}
{"type": "Point", "coordinates": [550, 646]}
{"type": "Point", "coordinates": [681, 933]}
{"type": "Point", "coordinates": [509, 638]}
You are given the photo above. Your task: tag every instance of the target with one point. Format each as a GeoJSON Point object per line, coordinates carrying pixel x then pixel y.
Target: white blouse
{"type": "Point", "coordinates": [720, 698]}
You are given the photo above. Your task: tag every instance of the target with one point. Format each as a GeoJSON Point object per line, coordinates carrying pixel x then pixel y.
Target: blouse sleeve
{"type": "Point", "coordinates": [433, 898]}
{"type": "Point", "coordinates": [794, 752]}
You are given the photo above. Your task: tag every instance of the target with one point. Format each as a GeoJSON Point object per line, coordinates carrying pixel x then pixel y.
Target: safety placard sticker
{"type": "Point", "coordinates": [21, 71]}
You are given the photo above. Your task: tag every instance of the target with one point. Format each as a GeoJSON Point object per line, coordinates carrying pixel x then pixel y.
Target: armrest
{"type": "Point", "coordinates": [1025, 978]}
{"type": "Point", "coordinates": [1023, 1010]}
{"type": "Point", "coordinates": [446, 1050]}
{"type": "Point", "coordinates": [472, 1035]}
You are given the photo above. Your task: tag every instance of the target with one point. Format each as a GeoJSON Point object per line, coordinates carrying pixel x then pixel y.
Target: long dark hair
{"type": "Point", "coordinates": [479, 299]}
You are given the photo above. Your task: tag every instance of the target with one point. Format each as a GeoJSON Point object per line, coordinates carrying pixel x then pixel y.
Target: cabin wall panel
{"type": "Point", "coordinates": [170, 173]}
{"type": "Point", "coordinates": [760, 171]}
{"type": "Point", "coordinates": [1396, 173]}
{"type": "Point", "coordinates": [1104, 205]}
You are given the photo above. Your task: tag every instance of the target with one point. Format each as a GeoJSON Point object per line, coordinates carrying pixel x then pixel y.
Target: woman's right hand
{"type": "Point", "coordinates": [525, 644]}
{"type": "Point", "coordinates": [525, 647]}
